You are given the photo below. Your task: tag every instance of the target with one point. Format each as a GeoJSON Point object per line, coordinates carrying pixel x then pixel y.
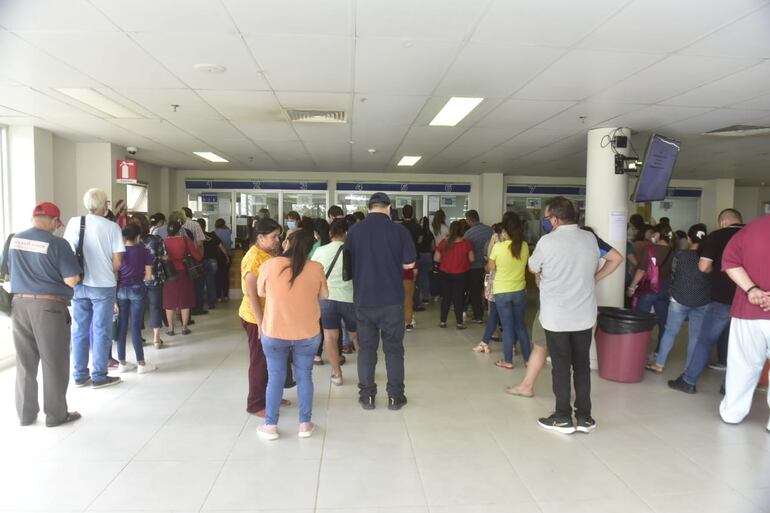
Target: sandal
{"type": "Point", "coordinates": [170, 333]}
{"type": "Point", "coordinates": [503, 364]}
{"type": "Point", "coordinates": [482, 347]}
{"type": "Point", "coordinates": [513, 391]}
{"type": "Point", "coordinates": [654, 367]}
{"type": "Point", "coordinates": [158, 344]}
{"type": "Point", "coordinates": [317, 360]}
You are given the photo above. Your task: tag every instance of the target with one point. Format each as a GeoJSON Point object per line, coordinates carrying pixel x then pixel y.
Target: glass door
{"type": "Point", "coordinates": [247, 207]}
{"type": "Point", "coordinates": [312, 205]}
{"type": "Point", "coordinates": [453, 205]}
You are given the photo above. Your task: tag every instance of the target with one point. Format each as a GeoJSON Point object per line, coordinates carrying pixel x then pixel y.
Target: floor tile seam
{"type": "Point", "coordinates": [416, 465]}
{"type": "Point", "coordinates": [515, 470]}
{"type": "Point", "coordinates": [323, 448]}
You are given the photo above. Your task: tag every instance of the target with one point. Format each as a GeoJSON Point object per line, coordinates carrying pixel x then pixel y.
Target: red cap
{"type": "Point", "coordinates": [47, 208]}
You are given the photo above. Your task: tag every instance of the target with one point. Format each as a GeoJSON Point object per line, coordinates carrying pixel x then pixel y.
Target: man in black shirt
{"type": "Point", "coordinates": [213, 249]}
{"type": "Point", "coordinates": [717, 317]}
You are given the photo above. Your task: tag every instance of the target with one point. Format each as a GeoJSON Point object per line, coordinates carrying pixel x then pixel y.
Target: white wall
{"type": "Point", "coordinates": [748, 203]}
{"type": "Point", "coordinates": [66, 194]}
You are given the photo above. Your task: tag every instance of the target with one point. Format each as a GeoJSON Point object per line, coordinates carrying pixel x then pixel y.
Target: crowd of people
{"type": "Point", "coordinates": [316, 290]}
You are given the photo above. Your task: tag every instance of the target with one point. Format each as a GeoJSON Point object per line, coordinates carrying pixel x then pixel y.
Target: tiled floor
{"type": "Point", "coordinates": [180, 440]}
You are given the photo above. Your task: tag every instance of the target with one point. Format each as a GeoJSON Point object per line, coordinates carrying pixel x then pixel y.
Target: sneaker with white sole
{"type": "Point", "coordinates": [268, 431]}
{"type": "Point", "coordinates": [560, 425]}
{"type": "Point", "coordinates": [126, 367]}
{"type": "Point", "coordinates": [146, 367]}
{"type": "Point", "coordinates": [306, 429]}
{"type": "Point", "coordinates": [586, 424]}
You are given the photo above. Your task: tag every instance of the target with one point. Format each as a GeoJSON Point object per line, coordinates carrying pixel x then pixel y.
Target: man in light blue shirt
{"type": "Point", "coordinates": [92, 305]}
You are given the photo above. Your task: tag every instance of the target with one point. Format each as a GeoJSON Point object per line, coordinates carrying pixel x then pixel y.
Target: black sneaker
{"type": "Point", "coordinates": [559, 424]}
{"type": "Point", "coordinates": [396, 403]}
{"type": "Point", "coordinates": [478, 321]}
{"type": "Point", "coordinates": [681, 385]}
{"type": "Point", "coordinates": [28, 422]}
{"type": "Point", "coordinates": [106, 382]}
{"type": "Point", "coordinates": [409, 328]}
{"type": "Point", "coordinates": [80, 383]}
{"type": "Point", "coordinates": [366, 402]}
{"type": "Point", "coordinates": [72, 416]}
{"type": "Point", "coordinates": [419, 308]}
{"type": "Point", "coordinates": [586, 424]}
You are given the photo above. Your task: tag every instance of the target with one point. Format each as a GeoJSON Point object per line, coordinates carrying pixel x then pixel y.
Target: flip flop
{"type": "Point", "coordinates": [513, 391]}
{"type": "Point", "coordinates": [504, 365]}
{"type": "Point", "coordinates": [654, 367]}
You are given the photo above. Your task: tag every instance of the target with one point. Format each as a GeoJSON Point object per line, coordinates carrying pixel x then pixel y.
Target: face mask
{"type": "Point", "coordinates": [291, 224]}
{"type": "Point", "coordinates": [547, 225]}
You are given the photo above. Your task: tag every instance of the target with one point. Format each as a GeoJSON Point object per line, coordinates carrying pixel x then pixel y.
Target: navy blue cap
{"type": "Point", "coordinates": [379, 197]}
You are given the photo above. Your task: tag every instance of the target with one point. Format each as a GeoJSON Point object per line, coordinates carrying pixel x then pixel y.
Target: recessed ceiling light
{"type": "Point", "coordinates": [740, 131]}
{"type": "Point", "coordinates": [99, 102]}
{"type": "Point", "coordinates": [455, 111]}
{"type": "Point", "coordinates": [210, 156]}
{"type": "Point", "coordinates": [209, 68]}
{"type": "Point", "coordinates": [407, 160]}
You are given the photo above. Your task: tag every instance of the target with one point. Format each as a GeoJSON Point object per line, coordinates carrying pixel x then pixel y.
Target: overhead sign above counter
{"type": "Point", "coordinates": [232, 185]}
{"type": "Point", "coordinates": [404, 187]}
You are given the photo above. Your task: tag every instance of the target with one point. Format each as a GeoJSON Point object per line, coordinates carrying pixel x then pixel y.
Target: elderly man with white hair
{"type": "Point", "coordinates": [98, 244]}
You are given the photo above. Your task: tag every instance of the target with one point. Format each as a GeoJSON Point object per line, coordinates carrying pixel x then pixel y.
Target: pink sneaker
{"type": "Point", "coordinates": [306, 429]}
{"type": "Point", "coordinates": [268, 431]}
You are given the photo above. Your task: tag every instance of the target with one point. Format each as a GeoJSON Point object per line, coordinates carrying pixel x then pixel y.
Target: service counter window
{"type": "Point", "coordinates": [312, 205]}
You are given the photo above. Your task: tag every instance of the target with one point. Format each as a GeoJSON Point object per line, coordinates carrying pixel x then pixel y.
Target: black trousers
{"type": "Point", "coordinates": [476, 292]}
{"type": "Point", "coordinates": [570, 358]}
{"type": "Point", "coordinates": [375, 322]}
{"type": "Point", "coordinates": [453, 293]}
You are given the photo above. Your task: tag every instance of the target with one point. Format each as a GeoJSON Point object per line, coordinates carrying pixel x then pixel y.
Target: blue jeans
{"type": "Point", "coordinates": [425, 265]}
{"type": "Point", "coordinates": [677, 314]}
{"type": "Point", "coordinates": [155, 300]}
{"type": "Point", "coordinates": [277, 355]}
{"type": "Point", "coordinates": [492, 322]}
{"type": "Point", "coordinates": [658, 302]}
{"type": "Point", "coordinates": [131, 313]}
{"type": "Point", "coordinates": [717, 318]}
{"type": "Point", "coordinates": [211, 267]}
{"type": "Point", "coordinates": [91, 317]}
{"type": "Point", "coordinates": [511, 307]}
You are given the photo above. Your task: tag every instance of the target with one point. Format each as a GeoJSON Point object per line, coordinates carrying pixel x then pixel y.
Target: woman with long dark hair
{"type": "Point", "coordinates": [438, 226]}
{"type": "Point", "coordinates": [154, 244]}
{"type": "Point", "coordinates": [454, 255]}
{"type": "Point", "coordinates": [291, 279]}
{"type": "Point", "coordinates": [508, 260]}
{"type": "Point", "coordinates": [225, 234]}
{"type": "Point", "coordinates": [179, 294]}
{"type": "Point", "coordinates": [426, 245]}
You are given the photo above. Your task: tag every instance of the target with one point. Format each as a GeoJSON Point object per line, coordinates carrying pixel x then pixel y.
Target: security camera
{"type": "Point", "coordinates": [131, 150]}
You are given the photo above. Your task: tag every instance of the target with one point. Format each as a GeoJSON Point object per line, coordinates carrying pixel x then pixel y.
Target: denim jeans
{"type": "Point", "coordinates": [494, 319]}
{"type": "Point", "coordinates": [131, 313]}
{"type": "Point", "coordinates": [717, 318]}
{"type": "Point", "coordinates": [91, 319]}
{"type": "Point", "coordinates": [659, 302]}
{"type": "Point", "coordinates": [211, 267]}
{"type": "Point", "coordinates": [677, 314]}
{"type": "Point", "coordinates": [277, 354]}
{"type": "Point", "coordinates": [155, 301]}
{"type": "Point", "coordinates": [425, 264]}
{"type": "Point", "coordinates": [511, 307]}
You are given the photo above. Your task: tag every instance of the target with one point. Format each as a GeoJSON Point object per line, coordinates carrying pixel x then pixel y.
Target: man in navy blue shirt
{"type": "Point", "coordinates": [379, 251]}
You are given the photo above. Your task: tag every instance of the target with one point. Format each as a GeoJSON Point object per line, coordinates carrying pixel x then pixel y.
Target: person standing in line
{"type": "Point", "coordinates": [493, 320]}
{"type": "Point", "coordinates": [412, 302]}
{"type": "Point", "coordinates": [225, 234]}
{"type": "Point", "coordinates": [379, 251]}
{"type": "Point", "coordinates": [477, 234]}
{"type": "Point", "coordinates": [454, 255]}
{"type": "Point", "coordinates": [291, 279]}
{"type": "Point", "coordinates": [158, 225]}
{"type": "Point", "coordinates": [745, 260]}
{"type": "Point", "coordinates": [179, 294]}
{"type": "Point", "coordinates": [135, 270]}
{"type": "Point", "coordinates": [334, 212]}
{"type": "Point", "coordinates": [266, 245]}
{"type": "Point", "coordinates": [213, 250]}
{"type": "Point", "coordinates": [426, 246]}
{"type": "Point", "coordinates": [439, 226]}
{"type": "Point", "coordinates": [717, 316]}
{"type": "Point", "coordinates": [192, 228]}
{"type": "Point", "coordinates": [101, 252]}
{"type": "Point", "coordinates": [157, 249]}
{"type": "Point", "coordinates": [43, 272]}
{"type": "Point", "coordinates": [567, 259]}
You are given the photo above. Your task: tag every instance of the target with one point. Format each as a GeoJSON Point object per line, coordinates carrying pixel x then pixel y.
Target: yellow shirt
{"type": "Point", "coordinates": [509, 271]}
{"type": "Point", "coordinates": [252, 261]}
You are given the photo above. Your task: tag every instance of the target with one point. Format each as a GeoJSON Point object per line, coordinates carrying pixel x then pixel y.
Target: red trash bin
{"type": "Point", "coordinates": [622, 339]}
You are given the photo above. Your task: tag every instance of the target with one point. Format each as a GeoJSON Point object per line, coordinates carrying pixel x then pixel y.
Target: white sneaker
{"type": "Point", "coordinates": [267, 432]}
{"type": "Point", "coordinates": [126, 367]}
{"type": "Point", "coordinates": [306, 429]}
{"type": "Point", "coordinates": [147, 367]}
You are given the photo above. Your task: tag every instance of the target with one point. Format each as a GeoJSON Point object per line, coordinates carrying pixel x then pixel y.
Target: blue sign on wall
{"type": "Point", "coordinates": [255, 184]}
{"type": "Point", "coordinates": [550, 190]}
{"type": "Point", "coordinates": [403, 187]}
{"type": "Point", "coordinates": [209, 198]}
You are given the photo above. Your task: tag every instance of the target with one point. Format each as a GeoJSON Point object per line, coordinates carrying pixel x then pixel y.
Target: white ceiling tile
{"type": "Point", "coordinates": [740, 86]}
{"type": "Point", "coordinates": [127, 66]}
{"type": "Point", "coordinates": [367, 136]}
{"type": "Point", "coordinates": [323, 101]}
{"type": "Point", "coordinates": [433, 134]}
{"type": "Point", "coordinates": [245, 105]}
{"type": "Point", "coordinates": [671, 25]}
{"type": "Point", "coordinates": [378, 110]}
{"type": "Point", "coordinates": [484, 136]}
{"type": "Point", "coordinates": [324, 133]}
{"type": "Point", "coordinates": [582, 73]}
{"type": "Point", "coordinates": [330, 155]}
{"type": "Point", "coordinates": [389, 66]}
{"type": "Point", "coordinates": [519, 114]}
{"type": "Point", "coordinates": [681, 72]}
{"type": "Point", "coordinates": [209, 130]}
{"type": "Point", "coordinates": [167, 15]}
{"type": "Point", "coordinates": [747, 37]}
{"type": "Point", "coordinates": [159, 102]}
{"type": "Point", "coordinates": [409, 19]}
{"type": "Point", "coordinates": [495, 69]}
{"type": "Point", "coordinates": [267, 131]}
{"type": "Point", "coordinates": [714, 120]}
{"type": "Point", "coordinates": [296, 63]}
{"type": "Point", "coordinates": [299, 17]}
{"type": "Point", "coordinates": [61, 15]}
{"type": "Point", "coordinates": [587, 115]}
{"type": "Point", "coordinates": [161, 131]}
{"type": "Point", "coordinates": [758, 103]}
{"type": "Point", "coordinates": [655, 116]}
{"type": "Point", "coordinates": [543, 23]}
{"type": "Point", "coordinates": [35, 103]}
{"type": "Point", "coordinates": [180, 52]}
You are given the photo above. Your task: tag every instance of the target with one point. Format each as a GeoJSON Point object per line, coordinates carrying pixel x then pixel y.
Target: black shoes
{"type": "Point", "coordinates": [409, 328]}
{"type": "Point", "coordinates": [106, 382]}
{"type": "Point", "coordinates": [396, 403]}
{"type": "Point", "coordinates": [681, 385]}
{"type": "Point", "coordinates": [72, 416]}
{"type": "Point", "coordinates": [28, 422]}
{"type": "Point", "coordinates": [80, 383]}
{"type": "Point", "coordinates": [586, 424]}
{"type": "Point", "coordinates": [562, 425]}
{"type": "Point", "coordinates": [366, 402]}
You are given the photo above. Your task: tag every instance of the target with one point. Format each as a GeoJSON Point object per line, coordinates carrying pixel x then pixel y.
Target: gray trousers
{"type": "Point", "coordinates": [41, 332]}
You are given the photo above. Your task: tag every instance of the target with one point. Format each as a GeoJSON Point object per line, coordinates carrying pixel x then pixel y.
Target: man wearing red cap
{"type": "Point", "coordinates": [43, 272]}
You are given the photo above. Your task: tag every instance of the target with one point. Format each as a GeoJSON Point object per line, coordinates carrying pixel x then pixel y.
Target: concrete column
{"type": "Point", "coordinates": [30, 176]}
{"type": "Point", "coordinates": [491, 198]}
{"type": "Point", "coordinates": [717, 195]}
{"type": "Point", "coordinates": [606, 206]}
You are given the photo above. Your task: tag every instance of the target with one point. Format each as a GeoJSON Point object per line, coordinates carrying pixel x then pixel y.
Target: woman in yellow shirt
{"type": "Point", "coordinates": [509, 262]}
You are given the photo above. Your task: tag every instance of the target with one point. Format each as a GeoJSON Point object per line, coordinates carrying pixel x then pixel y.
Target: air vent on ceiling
{"type": "Point", "coordinates": [740, 131]}
{"type": "Point", "coordinates": [317, 116]}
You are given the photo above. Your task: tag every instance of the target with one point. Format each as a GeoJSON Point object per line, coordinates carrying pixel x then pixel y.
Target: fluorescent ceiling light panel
{"type": "Point", "coordinates": [407, 160]}
{"type": "Point", "coordinates": [455, 111]}
{"type": "Point", "coordinates": [210, 156]}
{"type": "Point", "coordinates": [98, 101]}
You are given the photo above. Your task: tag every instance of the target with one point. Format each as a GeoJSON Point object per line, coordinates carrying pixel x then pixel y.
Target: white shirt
{"type": "Point", "coordinates": [567, 260]}
{"type": "Point", "coordinates": [196, 230]}
{"type": "Point", "coordinates": [101, 239]}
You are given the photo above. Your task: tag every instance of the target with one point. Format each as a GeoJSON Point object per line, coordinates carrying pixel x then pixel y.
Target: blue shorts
{"type": "Point", "coordinates": [332, 312]}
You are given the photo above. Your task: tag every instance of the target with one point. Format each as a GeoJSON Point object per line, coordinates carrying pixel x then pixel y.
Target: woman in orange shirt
{"type": "Point", "coordinates": [291, 279]}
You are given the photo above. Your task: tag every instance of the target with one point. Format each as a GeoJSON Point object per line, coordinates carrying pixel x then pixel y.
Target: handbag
{"type": "Point", "coordinates": [166, 269]}
{"type": "Point", "coordinates": [650, 284]}
{"type": "Point", "coordinates": [193, 267]}
{"type": "Point", "coordinates": [6, 299]}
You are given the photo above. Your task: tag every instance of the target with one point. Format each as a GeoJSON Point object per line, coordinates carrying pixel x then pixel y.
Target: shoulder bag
{"type": "Point", "coordinates": [334, 261]}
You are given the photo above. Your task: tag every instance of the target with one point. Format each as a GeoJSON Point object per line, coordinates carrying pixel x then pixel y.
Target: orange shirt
{"type": "Point", "coordinates": [292, 311]}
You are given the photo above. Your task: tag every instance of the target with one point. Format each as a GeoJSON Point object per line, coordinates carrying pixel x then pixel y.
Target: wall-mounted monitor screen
{"type": "Point", "coordinates": [657, 169]}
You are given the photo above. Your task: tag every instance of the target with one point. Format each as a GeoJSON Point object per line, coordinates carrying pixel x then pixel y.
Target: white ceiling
{"type": "Point", "coordinates": [548, 70]}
